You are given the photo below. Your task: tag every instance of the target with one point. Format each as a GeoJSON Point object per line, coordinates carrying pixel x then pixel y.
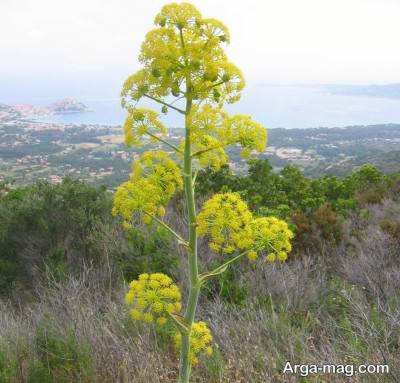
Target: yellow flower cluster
{"type": "Point", "coordinates": [225, 218]}
{"type": "Point", "coordinates": [159, 169]}
{"type": "Point", "coordinates": [207, 136]}
{"type": "Point", "coordinates": [214, 158]}
{"type": "Point", "coordinates": [273, 236]}
{"type": "Point", "coordinates": [249, 134]}
{"type": "Point", "coordinates": [208, 120]}
{"type": "Point", "coordinates": [184, 42]}
{"type": "Point", "coordinates": [141, 122]}
{"type": "Point", "coordinates": [200, 341]}
{"type": "Point", "coordinates": [183, 15]}
{"type": "Point", "coordinates": [211, 130]}
{"type": "Point", "coordinates": [137, 85]}
{"type": "Point", "coordinates": [153, 297]}
{"type": "Point", "coordinates": [131, 199]}
{"type": "Point", "coordinates": [155, 178]}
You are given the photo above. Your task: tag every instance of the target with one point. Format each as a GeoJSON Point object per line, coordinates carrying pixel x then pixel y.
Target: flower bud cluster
{"type": "Point", "coordinates": [159, 169]}
{"type": "Point", "coordinates": [140, 122]}
{"type": "Point", "coordinates": [272, 236]}
{"type": "Point", "coordinates": [166, 64]}
{"type": "Point", "coordinates": [225, 218]}
{"type": "Point", "coordinates": [154, 180]}
{"type": "Point", "coordinates": [153, 297]}
{"type": "Point", "coordinates": [200, 341]}
{"type": "Point", "coordinates": [211, 130]}
{"type": "Point", "coordinates": [227, 221]}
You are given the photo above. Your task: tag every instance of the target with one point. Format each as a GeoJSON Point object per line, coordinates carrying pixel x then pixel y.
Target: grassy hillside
{"type": "Point", "coordinates": [65, 262]}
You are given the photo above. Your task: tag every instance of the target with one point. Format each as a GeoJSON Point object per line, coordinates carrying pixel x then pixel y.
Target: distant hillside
{"type": "Point", "coordinates": [388, 162]}
{"type": "Point", "coordinates": [381, 91]}
{"type": "Point", "coordinates": [8, 113]}
{"type": "Point", "coordinates": [31, 150]}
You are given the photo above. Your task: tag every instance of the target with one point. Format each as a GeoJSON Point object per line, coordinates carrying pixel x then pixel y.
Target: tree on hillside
{"type": "Point", "coordinates": [45, 225]}
{"type": "Point", "coordinates": [186, 71]}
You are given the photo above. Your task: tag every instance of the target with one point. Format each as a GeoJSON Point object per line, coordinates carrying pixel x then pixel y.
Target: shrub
{"type": "Point", "coordinates": [144, 253]}
{"type": "Point", "coordinates": [328, 223]}
{"type": "Point", "coordinates": [390, 227]}
{"type": "Point", "coordinates": [47, 224]}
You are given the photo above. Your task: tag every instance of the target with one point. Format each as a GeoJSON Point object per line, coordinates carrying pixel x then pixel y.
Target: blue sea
{"type": "Point", "coordinates": [276, 106]}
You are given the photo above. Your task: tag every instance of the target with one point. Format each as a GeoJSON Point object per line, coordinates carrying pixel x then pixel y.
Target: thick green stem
{"type": "Point", "coordinates": [194, 283]}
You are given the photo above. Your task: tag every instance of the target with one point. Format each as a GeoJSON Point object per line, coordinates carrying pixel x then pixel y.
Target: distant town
{"type": "Point", "coordinates": [32, 150]}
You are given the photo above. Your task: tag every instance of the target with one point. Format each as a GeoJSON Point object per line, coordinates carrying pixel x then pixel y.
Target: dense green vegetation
{"type": "Point", "coordinates": [58, 226]}
{"type": "Point", "coordinates": [315, 207]}
{"type": "Point", "coordinates": [64, 259]}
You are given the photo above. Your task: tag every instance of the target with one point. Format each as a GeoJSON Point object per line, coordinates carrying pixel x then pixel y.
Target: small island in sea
{"type": "Point", "coordinates": [68, 105]}
{"type": "Point", "coordinates": [64, 106]}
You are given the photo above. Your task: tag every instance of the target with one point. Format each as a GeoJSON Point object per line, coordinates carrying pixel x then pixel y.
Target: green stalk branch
{"type": "Point", "coordinates": [172, 231]}
{"type": "Point", "coordinates": [172, 146]}
{"type": "Point", "coordinates": [220, 269]}
{"type": "Point", "coordinates": [195, 177]}
{"type": "Point", "coordinates": [164, 103]}
{"type": "Point", "coordinates": [200, 152]}
{"type": "Point", "coordinates": [216, 84]}
{"type": "Point", "coordinates": [180, 323]}
{"type": "Point", "coordinates": [272, 247]}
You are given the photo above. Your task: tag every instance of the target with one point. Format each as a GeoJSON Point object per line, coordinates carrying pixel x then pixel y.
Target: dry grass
{"type": "Point", "coordinates": [339, 307]}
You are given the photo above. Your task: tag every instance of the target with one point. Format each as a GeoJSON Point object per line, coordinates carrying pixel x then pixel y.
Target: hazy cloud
{"type": "Point", "coordinates": [343, 41]}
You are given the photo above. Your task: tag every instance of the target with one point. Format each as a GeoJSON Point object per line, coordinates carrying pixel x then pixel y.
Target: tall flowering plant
{"type": "Point", "coordinates": [186, 71]}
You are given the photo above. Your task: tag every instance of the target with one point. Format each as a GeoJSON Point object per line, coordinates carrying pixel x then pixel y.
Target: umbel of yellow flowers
{"type": "Point", "coordinates": [186, 71]}
{"type": "Point", "coordinates": [154, 297]}
{"type": "Point", "coordinates": [200, 339]}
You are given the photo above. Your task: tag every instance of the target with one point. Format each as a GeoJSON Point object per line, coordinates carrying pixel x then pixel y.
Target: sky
{"type": "Point", "coordinates": [92, 45]}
